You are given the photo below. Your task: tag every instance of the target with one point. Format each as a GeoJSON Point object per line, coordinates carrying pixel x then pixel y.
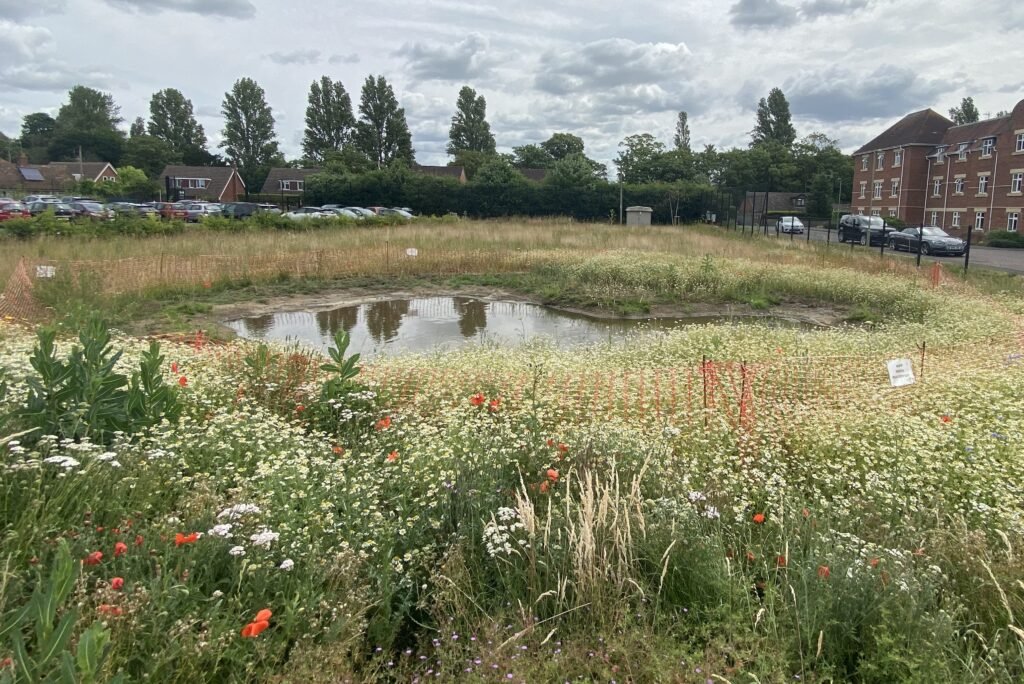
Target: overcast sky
{"type": "Point", "coordinates": [599, 69]}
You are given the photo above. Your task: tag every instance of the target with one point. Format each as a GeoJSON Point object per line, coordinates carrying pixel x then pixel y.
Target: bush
{"type": "Point", "coordinates": [1005, 239]}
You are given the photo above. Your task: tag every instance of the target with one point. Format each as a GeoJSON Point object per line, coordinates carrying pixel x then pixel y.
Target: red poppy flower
{"type": "Point", "coordinates": [174, 367]}
{"type": "Point", "coordinates": [299, 408]}
{"type": "Point", "coordinates": [552, 474]}
{"type": "Point", "coordinates": [120, 548]}
{"type": "Point", "coordinates": [946, 419]}
{"type": "Point", "coordinates": [182, 381]}
{"type": "Point", "coordinates": [93, 558]}
{"type": "Point", "coordinates": [750, 556]}
{"type": "Point", "coordinates": [758, 518]}
{"type": "Point", "coordinates": [563, 448]}
{"type": "Point", "coordinates": [393, 456]}
{"type": "Point", "coordinates": [824, 572]}
{"type": "Point", "coordinates": [494, 405]}
{"type": "Point", "coordinates": [138, 540]}
{"type": "Point", "coordinates": [383, 424]}
{"type": "Point", "coordinates": [477, 399]}
{"type": "Point", "coordinates": [806, 513]}
{"type": "Point", "coordinates": [117, 584]}
{"type": "Point", "coordinates": [874, 562]}
{"type": "Point", "coordinates": [551, 442]}
{"type": "Point", "coordinates": [264, 615]}
{"type": "Point", "coordinates": [182, 539]}
{"type": "Point", "coordinates": [781, 562]}
{"type": "Point", "coordinates": [338, 451]}
{"type": "Point", "coordinates": [107, 609]}
{"type": "Point", "coordinates": [254, 629]}
{"type": "Point", "coordinates": [99, 528]}
{"type": "Point", "coordinates": [544, 487]}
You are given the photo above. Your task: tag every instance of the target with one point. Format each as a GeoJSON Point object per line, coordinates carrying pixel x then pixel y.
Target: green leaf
{"type": "Point", "coordinates": [23, 665]}
{"type": "Point", "coordinates": [46, 600]}
{"type": "Point", "coordinates": [58, 641]}
{"type": "Point", "coordinates": [90, 647]}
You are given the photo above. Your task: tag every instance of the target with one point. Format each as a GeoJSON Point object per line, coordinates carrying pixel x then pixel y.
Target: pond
{"type": "Point", "coordinates": [398, 326]}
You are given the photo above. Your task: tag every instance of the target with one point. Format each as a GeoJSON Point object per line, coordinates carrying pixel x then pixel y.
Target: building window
{"type": "Point", "coordinates": [962, 152]}
{"type": "Point", "coordinates": [983, 184]}
{"type": "Point", "coordinates": [877, 190]}
{"type": "Point", "coordinates": [937, 187]}
{"type": "Point", "coordinates": [1016, 181]}
{"type": "Point", "coordinates": [959, 187]}
{"type": "Point", "coordinates": [863, 188]}
{"type": "Point", "coordinates": [956, 219]}
{"type": "Point", "coordinates": [1020, 142]}
{"type": "Point", "coordinates": [979, 220]}
{"type": "Point", "coordinates": [880, 162]}
{"type": "Point", "coordinates": [892, 213]}
{"type": "Point", "coordinates": [1012, 221]}
{"type": "Point", "coordinates": [876, 212]}
{"type": "Point", "coordinates": [895, 190]}
{"type": "Point", "coordinates": [864, 163]}
{"type": "Point", "coordinates": [292, 185]}
{"type": "Point", "coordinates": [935, 218]}
{"type": "Point", "coordinates": [192, 183]}
{"type": "Point", "coordinates": [897, 158]}
{"type": "Point", "coordinates": [108, 178]}
{"type": "Point", "coordinates": [800, 201]}
{"type": "Point", "coordinates": [987, 145]}
{"type": "Point", "coordinates": [940, 155]}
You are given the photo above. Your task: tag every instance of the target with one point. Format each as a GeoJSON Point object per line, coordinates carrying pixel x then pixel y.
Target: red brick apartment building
{"type": "Point", "coordinates": [924, 170]}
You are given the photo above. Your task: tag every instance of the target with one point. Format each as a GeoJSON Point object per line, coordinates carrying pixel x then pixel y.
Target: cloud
{"type": "Point", "coordinates": [294, 57]}
{"type": "Point", "coordinates": [463, 61]}
{"type": "Point", "coordinates": [22, 9]}
{"type": "Point", "coordinates": [611, 63]}
{"type": "Point", "coordinates": [53, 76]}
{"type": "Point", "coordinates": [762, 13]}
{"type": "Point", "coordinates": [344, 59]}
{"type": "Point", "coordinates": [828, 8]}
{"type": "Point", "coordinates": [20, 43]}
{"type": "Point", "coordinates": [211, 111]}
{"type": "Point", "coordinates": [236, 9]}
{"type": "Point", "coordinates": [836, 94]}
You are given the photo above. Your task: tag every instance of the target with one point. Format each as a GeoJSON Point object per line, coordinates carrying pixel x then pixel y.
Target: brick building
{"type": "Point", "coordinates": [926, 171]}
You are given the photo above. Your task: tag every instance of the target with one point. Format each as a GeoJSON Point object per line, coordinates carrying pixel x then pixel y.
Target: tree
{"type": "Point", "coordinates": [138, 128]}
{"type": "Point", "coordinates": [149, 153]}
{"type": "Point", "coordinates": [682, 136]}
{"type": "Point", "coordinates": [382, 133]}
{"type": "Point", "coordinates": [87, 121]}
{"type": "Point", "coordinates": [572, 171]}
{"type": "Point", "coordinates": [329, 119]}
{"type": "Point", "coordinates": [497, 171]}
{"type": "Point", "coordinates": [561, 145]}
{"type": "Point", "coordinates": [36, 136]}
{"type": "Point", "coordinates": [469, 129]}
{"type": "Point", "coordinates": [635, 157]}
{"type": "Point", "coordinates": [472, 161]}
{"type": "Point", "coordinates": [532, 157]}
{"type": "Point", "coordinates": [774, 121]}
{"type": "Point", "coordinates": [348, 160]}
{"type": "Point", "coordinates": [966, 113]}
{"type": "Point", "coordinates": [173, 121]}
{"type": "Point", "coordinates": [249, 138]}
{"type": "Point", "coordinates": [819, 200]}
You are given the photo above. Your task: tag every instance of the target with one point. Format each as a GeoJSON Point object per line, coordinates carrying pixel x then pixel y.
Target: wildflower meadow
{"type": "Point", "coordinates": [717, 503]}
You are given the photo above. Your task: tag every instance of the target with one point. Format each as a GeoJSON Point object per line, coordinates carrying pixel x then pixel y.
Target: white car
{"type": "Point", "coordinates": [343, 213]}
{"type": "Point", "coordinates": [790, 224]}
{"type": "Point", "coordinates": [306, 213]}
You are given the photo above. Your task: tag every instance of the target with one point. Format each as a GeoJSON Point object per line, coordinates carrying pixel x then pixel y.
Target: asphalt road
{"type": "Point", "coordinates": [1008, 260]}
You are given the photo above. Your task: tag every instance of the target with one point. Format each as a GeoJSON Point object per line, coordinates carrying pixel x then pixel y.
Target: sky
{"type": "Point", "coordinates": [598, 69]}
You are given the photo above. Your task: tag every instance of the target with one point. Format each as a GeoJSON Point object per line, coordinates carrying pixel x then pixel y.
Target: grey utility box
{"type": "Point", "coordinates": [638, 216]}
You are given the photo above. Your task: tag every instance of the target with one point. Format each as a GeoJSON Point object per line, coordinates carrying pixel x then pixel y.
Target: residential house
{"type": "Point", "coordinates": [926, 171]}
{"type": "Point", "coordinates": [759, 207]}
{"type": "Point", "coordinates": [213, 183]}
{"type": "Point", "coordinates": [91, 171]}
{"type": "Point", "coordinates": [456, 172]}
{"type": "Point", "coordinates": [285, 181]}
{"type": "Point", "coordinates": [22, 178]}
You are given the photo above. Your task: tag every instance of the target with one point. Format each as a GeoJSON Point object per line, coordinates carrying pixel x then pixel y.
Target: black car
{"type": "Point", "coordinates": [866, 230]}
{"type": "Point", "coordinates": [91, 210]}
{"type": "Point", "coordinates": [933, 241]}
{"type": "Point", "coordinates": [59, 209]}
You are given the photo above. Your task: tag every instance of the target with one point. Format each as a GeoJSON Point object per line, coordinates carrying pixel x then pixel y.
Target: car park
{"type": "Point", "coordinates": [789, 224]}
{"type": "Point", "coordinates": [62, 211]}
{"type": "Point", "coordinates": [13, 210]}
{"type": "Point", "coordinates": [932, 240]}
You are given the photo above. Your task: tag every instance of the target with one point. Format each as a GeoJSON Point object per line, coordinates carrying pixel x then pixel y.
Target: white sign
{"type": "Point", "coordinates": [411, 252]}
{"type": "Point", "coordinates": [46, 271]}
{"type": "Point", "coordinates": [901, 372]}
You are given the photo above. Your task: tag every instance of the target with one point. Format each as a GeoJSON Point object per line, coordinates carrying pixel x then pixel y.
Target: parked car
{"type": "Point", "coordinates": [91, 210]}
{"type": "Point", "coordinates": [172, 210]}
{"type": "Point", "coordinates": [306, 213]}
{"type": "Point", "coordinates": [30, 199]}
{"type": "Point", "coordinates": [933, 240]}
{"type": "Point", "coordinates": [200, 210]}
{"type": "Point", "coordinates": [269, 208]}
{"type": "Point", "coordinates": [376, 210]}
{"type": "Point", "coordinates": [13, 210]}
{"type": "Point", "coordinates": [398, 213]}
{"type": "Point", "coordinates": [344, 213]}
{"type": "Point", "coordinates": [790, 224]}
{"type": "Point", "coordinates": [62, 211]}
{"type": "Point", "coordinates": [361, 212]}
{"type": "Point", "coordinates": [867, 230]}
{"type": "Point", "coordinates": [146, 210]}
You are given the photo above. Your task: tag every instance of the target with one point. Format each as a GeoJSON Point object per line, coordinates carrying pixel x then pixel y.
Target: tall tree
{"type": "Point", "coordinates": [819, 201]}
{"type": "Point", "coordinates": [249, 138]}
{"type": "Point", "coordinates": [774, 120]}
{"type": "Point", "coordinates": [36, 136]}
{"type": "Point", "coordinates": [149, 153]}
{"type": "Point", "coordinates": [382, 133]}
{"type": "Point", "coordinates": [88, 120]}
{"type": "Point", "coordinates": [572, 171]}
{"type": "Point", "coordinates": [329, 119]}
{"type": "Point", "coordinates": [172, 120]}
{"type": "Point", "coordinates": [532, 157]}
{"type": "Point", "coordinates": [966, 113]}
{"type": "Point", "coordinates": [682, 136]}
{"type": "Point", "coordinates": [138, 128]}
{"type": "Point", "coordinates": [636, 156]}
{"type": "Point", "coordinates": [469, 129]}
{"type": "Point", "coordinates": [561, 145]}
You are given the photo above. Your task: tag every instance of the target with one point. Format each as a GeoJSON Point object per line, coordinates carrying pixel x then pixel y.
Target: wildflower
{"type": "Point", "coordinates": [494, 405]}
{"type": "Point", "coordinates": [236, 551]}
{"type": "Point", "coordinates": [552, 474]}
{"type": "Point", "coordinates": [759, 518]}
{"type": "Point", "coordinates": [120, 549]}
{"type": "Point", "coordinates": [544, 487]}
{"type": "Point", "coordinates": [299, 408]}
{"type": "Point", "coordinates": [750, 556]}
{"type": "Point", "coordinates": [477, 399]}
{"type": "Point", "coordinates": [563, 448]}
{"type": "Point", "coordinates": [138, 540]}
{"type": "Point", "coordinates": [393, 456]}
{"type": "Point", "coordinates": [93, 558]}
{"type": "Point", "coordinates": [874, 562]}
{"type": "Point", "coordinates": [338, 451]}
{"type": "Point", "coordinates": [117, 583]}
{"type": "Point", "coordinates": [551, 442]}
{"type": "Point", "coordinates": [805, 512]}
{"type": "Point", "coordinates": [781, 562]}
{"type": "Point", "coordinates": [264, 615]}
{"type": "Point", "coordinates": [287, 564]}
{"type": "Point", "coordinates": [182, 381]}
{"type": "Point", "coordinates": [264, 538]}
{"type": "Point", "coordinates": [237, 511]}
{"type": "Point", "coordinates": [254, 629]}
{"type": "Point", "coordinates": [107, 609]}
{"type": "Point", "coordinates": [824, 572]}
{"type": "Point", "coordinates": [182, 539]}
{"type": "Point", "coordinates": [222, 530]}
{"type": "Point", "coordinates": [946, 419]}
{"type": "Point", "coordinates": [383, 424]}
{"type": "Point", "coordinates": [174, 367]}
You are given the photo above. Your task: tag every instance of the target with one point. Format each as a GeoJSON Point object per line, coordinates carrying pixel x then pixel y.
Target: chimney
{"type": "Point", "coordinates": [23, 159]}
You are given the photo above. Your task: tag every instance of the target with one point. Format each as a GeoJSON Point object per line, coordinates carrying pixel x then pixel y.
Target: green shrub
{"type": "Point", "coordinates": [1005, 239]}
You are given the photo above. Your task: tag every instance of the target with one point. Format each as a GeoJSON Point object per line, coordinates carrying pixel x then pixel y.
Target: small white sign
{"type": "Point", "coordinates": [411, 252]}
{"type": "Point", "coordinates": [46, 271]}
{"type": "Point", "coordinates": [901, 372]}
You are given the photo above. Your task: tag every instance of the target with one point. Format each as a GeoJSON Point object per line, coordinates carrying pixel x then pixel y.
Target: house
{"type": "Point", "coordinates": [96, 172]}
{"type": "Point", "coordinates": [22, 178]}
{"type": "Point", "coordinates": [758, 207]}
{"type": "Point", "coordinates": [213, 183]}
{"type": "Point", "coordinates": [456, 172]}
{"type": "Point", "coordinates": [925, 170]}
{"type": "Point", "coordinates": [287, 181]}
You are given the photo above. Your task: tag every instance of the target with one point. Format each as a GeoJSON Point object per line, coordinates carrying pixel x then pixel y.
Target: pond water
{"type": "Point", "coordinates": [442, 323]}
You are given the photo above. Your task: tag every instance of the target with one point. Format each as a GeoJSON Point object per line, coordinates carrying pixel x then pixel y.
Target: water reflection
{"type": "Point", "coordinates": [472, 315]}
{"type": "Point", "coordinates": [330, 322]}
{"type": "Point", "coordinates": [383, 319]}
